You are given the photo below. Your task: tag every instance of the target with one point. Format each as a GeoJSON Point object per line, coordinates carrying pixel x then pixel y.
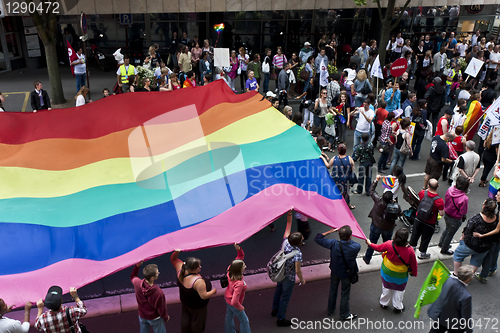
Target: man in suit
{"type": "Point", "coordinates": [39, 98]}
{"type": "Point", "coordinates": [453, 304]}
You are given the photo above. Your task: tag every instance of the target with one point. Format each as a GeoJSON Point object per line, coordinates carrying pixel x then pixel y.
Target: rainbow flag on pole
{"type": "Point", "coordinates": [474, 113]}
{"type": "Point", "coordinates": [91, 190]}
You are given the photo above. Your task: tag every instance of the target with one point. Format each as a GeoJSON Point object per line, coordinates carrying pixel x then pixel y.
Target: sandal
{"type": "Point", "coordinates": [482, 184]}
{"type": "Point", "coordinates": [352, 206]}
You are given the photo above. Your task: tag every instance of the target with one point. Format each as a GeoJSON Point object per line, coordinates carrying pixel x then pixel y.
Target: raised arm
{"type": "Point", "coordinates": [239, 250]}
{"type": "Point", "coordinates": [175, 261]}
{"type": "Point", "coordinates": [288, 224]}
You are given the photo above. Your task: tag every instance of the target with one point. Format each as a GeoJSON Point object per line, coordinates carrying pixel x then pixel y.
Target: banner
{"type": "Point", "coordinates": [474, 67]}
{"type": "Point", "coordinates": [72, 56]}
{"type": "Point", "coordinates": [323, 74]}
{"type": "Point", "coordinates": [432, 286]}
{"type": "Point", "coordinates": [376, 70]}
{"type": "Point", "coordinates": [492, 118]}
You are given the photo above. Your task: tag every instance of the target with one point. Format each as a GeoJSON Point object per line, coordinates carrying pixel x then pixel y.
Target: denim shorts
{"type": "Point", "coordinates": [463, 251]}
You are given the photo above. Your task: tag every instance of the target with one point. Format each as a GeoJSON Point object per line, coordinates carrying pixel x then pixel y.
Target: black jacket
{"type": "Point", "coordinates": [378, 210]}
{"type": "Point", "coordinates": [35, 100]}
{"type": "Point", "coordinates": [435, 98]}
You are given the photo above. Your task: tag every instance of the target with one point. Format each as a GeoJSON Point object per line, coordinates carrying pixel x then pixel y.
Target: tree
{"type": "Point", "coordinates": [387, 25]}
{"type": "Point", "coordinates": [45, 20]}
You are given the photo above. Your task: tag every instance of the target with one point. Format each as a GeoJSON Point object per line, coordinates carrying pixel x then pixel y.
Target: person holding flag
{"type": "Point", "coordinates": [79, 67]}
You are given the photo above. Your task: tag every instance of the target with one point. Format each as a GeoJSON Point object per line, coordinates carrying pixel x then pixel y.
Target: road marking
{"type": "Point", "coordinates": [25, 102]}
{"type": "Point", "coordinates": [423, 173]}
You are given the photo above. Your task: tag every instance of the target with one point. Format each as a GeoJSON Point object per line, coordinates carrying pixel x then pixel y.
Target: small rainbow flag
{"type": "Point", "coordinates": [494, 187]}
{"type": "Point", "coordinates": [389, 182]}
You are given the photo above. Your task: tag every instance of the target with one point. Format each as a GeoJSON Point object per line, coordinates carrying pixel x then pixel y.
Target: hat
{"type": "Point", "coordinates": [437, 80]}
{"type": "Point", "coordinates": [307, 43]}
{"type": "Point", "coordinates": [53, 300]}
{"type": "Point", "coordinates": [351, 74]}
{"type": "Point", "coordinates": [270, 94]}
{"type": "Point", "coordinates": [449, 111]}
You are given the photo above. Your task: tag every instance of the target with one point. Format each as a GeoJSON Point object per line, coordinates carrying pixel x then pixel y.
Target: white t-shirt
{"type": "Point", "coordinates": [80, 100]}
{"type": "Point", "coordinates": [399, 41]}
{"type": "Point", "coordinates": [494, 56]}
{"type": "Point", "coordinates": [363, 126]}
{"type": "Point", "coordinates": [80, 68]}
{"type": "Point", "coordinates": [13, 326]}
{"type": "Point", "coordinates": [461, 48]}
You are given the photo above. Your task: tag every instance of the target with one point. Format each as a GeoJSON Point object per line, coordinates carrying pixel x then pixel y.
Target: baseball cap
{"type": "Point", "coordinates": [307, 43]}
{"type": "Point", "coordinates": [437, 80]}
{"type": "Point", "coordinates": [53, 300]}
{"type": "Point", "coordinates": [270, 94]}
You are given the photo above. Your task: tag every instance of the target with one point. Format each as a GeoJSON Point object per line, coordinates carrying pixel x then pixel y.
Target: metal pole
{"type": "Point", "coordinates": [86, 66]}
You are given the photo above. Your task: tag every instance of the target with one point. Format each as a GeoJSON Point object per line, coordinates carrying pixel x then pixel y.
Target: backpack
{"type": "Point", "coordinates": [392, 211]}
{"type": "Point", "coordinates": [276, 266]}
{"type": "Point", "coordinates": [424, 210]}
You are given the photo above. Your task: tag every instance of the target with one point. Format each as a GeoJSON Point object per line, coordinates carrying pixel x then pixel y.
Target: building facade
{"type": "Point", "coordinates": [134, 25]}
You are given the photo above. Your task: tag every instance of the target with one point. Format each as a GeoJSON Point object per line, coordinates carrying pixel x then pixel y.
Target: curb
{"type": "Point", "coordinates": [126, 302]}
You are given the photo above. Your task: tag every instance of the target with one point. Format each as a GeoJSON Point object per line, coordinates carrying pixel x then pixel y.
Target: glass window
{"type": "Point", "coordinates": [192, 16]}
{"type": "Point", "coordinates": [274, 15]}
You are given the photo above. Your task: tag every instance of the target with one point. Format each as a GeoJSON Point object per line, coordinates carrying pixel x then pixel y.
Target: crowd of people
{"type": "Point", "coordinates": [381, 120]}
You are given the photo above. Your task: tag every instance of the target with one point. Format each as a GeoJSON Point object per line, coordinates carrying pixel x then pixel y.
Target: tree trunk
{"type": "Point", "coordinates": [56, 89]}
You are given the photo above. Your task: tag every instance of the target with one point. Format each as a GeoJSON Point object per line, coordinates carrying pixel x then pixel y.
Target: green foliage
{"type": "Point", "coordinates": [143, 73]}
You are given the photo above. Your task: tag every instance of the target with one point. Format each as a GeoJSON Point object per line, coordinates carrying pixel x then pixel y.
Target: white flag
{"type": "Point", "coordinates": [492, 118]}
{"type": "Point", "coordinates": [376, 69]}
{"type": "Point", "coordinates": [323, 74]}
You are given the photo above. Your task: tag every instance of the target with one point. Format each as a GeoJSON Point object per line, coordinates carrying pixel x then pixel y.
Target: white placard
{"type": "Point", "coordinates": [496, 135]}
{"type": "Point", "coordinates": [221, 57]}
{"type": "Point", "coordinates": [474, 67]}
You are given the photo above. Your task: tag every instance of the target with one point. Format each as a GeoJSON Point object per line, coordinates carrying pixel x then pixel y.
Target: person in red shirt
{"type": "Point", "coordinates": [458, 145]}
{"type": "Point", "coordinates": [380, 115]}
{"type": "Point", "coordinates": [426, 228]}
{"type": "Point", "coordinates": [443, 125]}
{"type": "Point", "coordinates": [151, 301]}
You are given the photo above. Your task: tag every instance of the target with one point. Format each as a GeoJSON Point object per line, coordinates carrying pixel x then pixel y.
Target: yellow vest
{"type": "Point", "coordinates": [452, 76]}
{"type": "Point", "coordinates": [124, 74]}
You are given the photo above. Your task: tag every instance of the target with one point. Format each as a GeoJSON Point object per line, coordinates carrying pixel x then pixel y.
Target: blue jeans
{"type": "Point", "coordinates": [397, 159]}
{"type": "Point", "coordinates": [382, 160]}
{"type": "Point", "coordinates": [374, 236]}
{"type": "Point", "coordinates": [364, 176]}
{"type": "Point", "coordinates": [490, 262]}
{"type": "Point", "coordinates": [320, 122]}
{"type": "Point", "coordinates": [447, 93]}
{"type": "Point", "coordinates": [307, 84]}
{"type": "Point", "coordinates": [417, 143]}
{"type": "Point", "coordinates": [345, 294]}
{"type": "Point", "coordinates": [282, 297]}
{"type": "Point", "coordinates": [267, 78]}
{"type": "Point", "coordinates": [231, 311]}
{"type": "Point", "coordinates": [358, 101]}
{"type": "Point", "coordinates": [357, 138]}
{"type": "Point", "coordinates": [80, 81]}
{"type": "Point", "coordinates": [158, 325]}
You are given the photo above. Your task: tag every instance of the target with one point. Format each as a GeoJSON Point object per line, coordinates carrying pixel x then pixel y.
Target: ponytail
{"type": "Point", "coordinates": [190, 264]}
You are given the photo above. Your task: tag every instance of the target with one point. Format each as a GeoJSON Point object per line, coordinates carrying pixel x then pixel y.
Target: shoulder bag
{"type": "Point", "coordinates": [351, 178]}
{"type": "Point", "coordinates": [405, 147]}
{"type": "Point", "coordinates": [404, 262]}
{"type": "Point", "coordinates": [353, 276]}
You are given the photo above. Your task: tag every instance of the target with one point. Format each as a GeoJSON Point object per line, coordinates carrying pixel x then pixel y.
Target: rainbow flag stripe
{"type": "Point", "coordinates": [474, 113]}
{"type": "Point", "coordinates": [91, 190]}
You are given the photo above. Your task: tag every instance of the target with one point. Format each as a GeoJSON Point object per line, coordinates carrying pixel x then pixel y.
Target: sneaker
{"type": "Point", "coordinates": [350, 317]}
{"type": "Point", "coordinates": [480, 279]}
{"type": "Point", "coordinates": [447, 252]}
{"type": "Point", "coordinates": [356, 192]}
{"type": "Point", "coordinates": [492, 273]}
{"type": "Point", "coordinates": [385, 307]}
{"type": "Point", "coordinates": [424, 256]}
{"type": "Point", "coordinates": [283, 322]}
{"type": "Point", "coordinates": [274, 313]}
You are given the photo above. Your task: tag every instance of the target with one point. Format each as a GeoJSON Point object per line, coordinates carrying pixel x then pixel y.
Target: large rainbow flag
{"type": "Point", "coordinates": [474, 113]}
{"type": "Point", "coordinates": [91, 190]}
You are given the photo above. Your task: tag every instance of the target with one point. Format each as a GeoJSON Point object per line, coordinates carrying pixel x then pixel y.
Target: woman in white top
{"type": "Point", "coordinates": [243, 60]}
{"type": "Point", "coordinates": [82, 94]}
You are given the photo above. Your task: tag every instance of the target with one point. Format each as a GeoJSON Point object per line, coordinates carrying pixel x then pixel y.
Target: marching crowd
{"type": "Point", "coordinates": [381, 121]}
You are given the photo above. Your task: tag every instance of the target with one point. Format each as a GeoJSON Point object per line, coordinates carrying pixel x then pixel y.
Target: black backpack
{"type": "Point", "coordinates": [424, 210]}
{"type": "Point", "coordinates": [392, 211]}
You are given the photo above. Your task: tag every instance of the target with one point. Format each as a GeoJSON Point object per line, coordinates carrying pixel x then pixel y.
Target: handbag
{"type": "Point", "coordinates": [404, 262]}
{"type": "Point", "coordinates": [405, 147]}
{"type": "Point", "coordinates": [239, 71]}
{"type": "Point", "coordinates": [464, 217]}
{"type": "Point", "coordinates": [383, 147]}
{"type": "Point", "coordinates": [366, 89]}
{"type": "Point", "coordinates": [224, 281]}
{"type": "Point", "coordinates": [72, 329]}
{"type": "Point", "coordinates": [265, 67]}
{"type": "Point", "coordinates": [330, 130]}
{"type": "Point", "coordinates": [353, 276]}
{"type": "Point", "coordinates": [304, 74]}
